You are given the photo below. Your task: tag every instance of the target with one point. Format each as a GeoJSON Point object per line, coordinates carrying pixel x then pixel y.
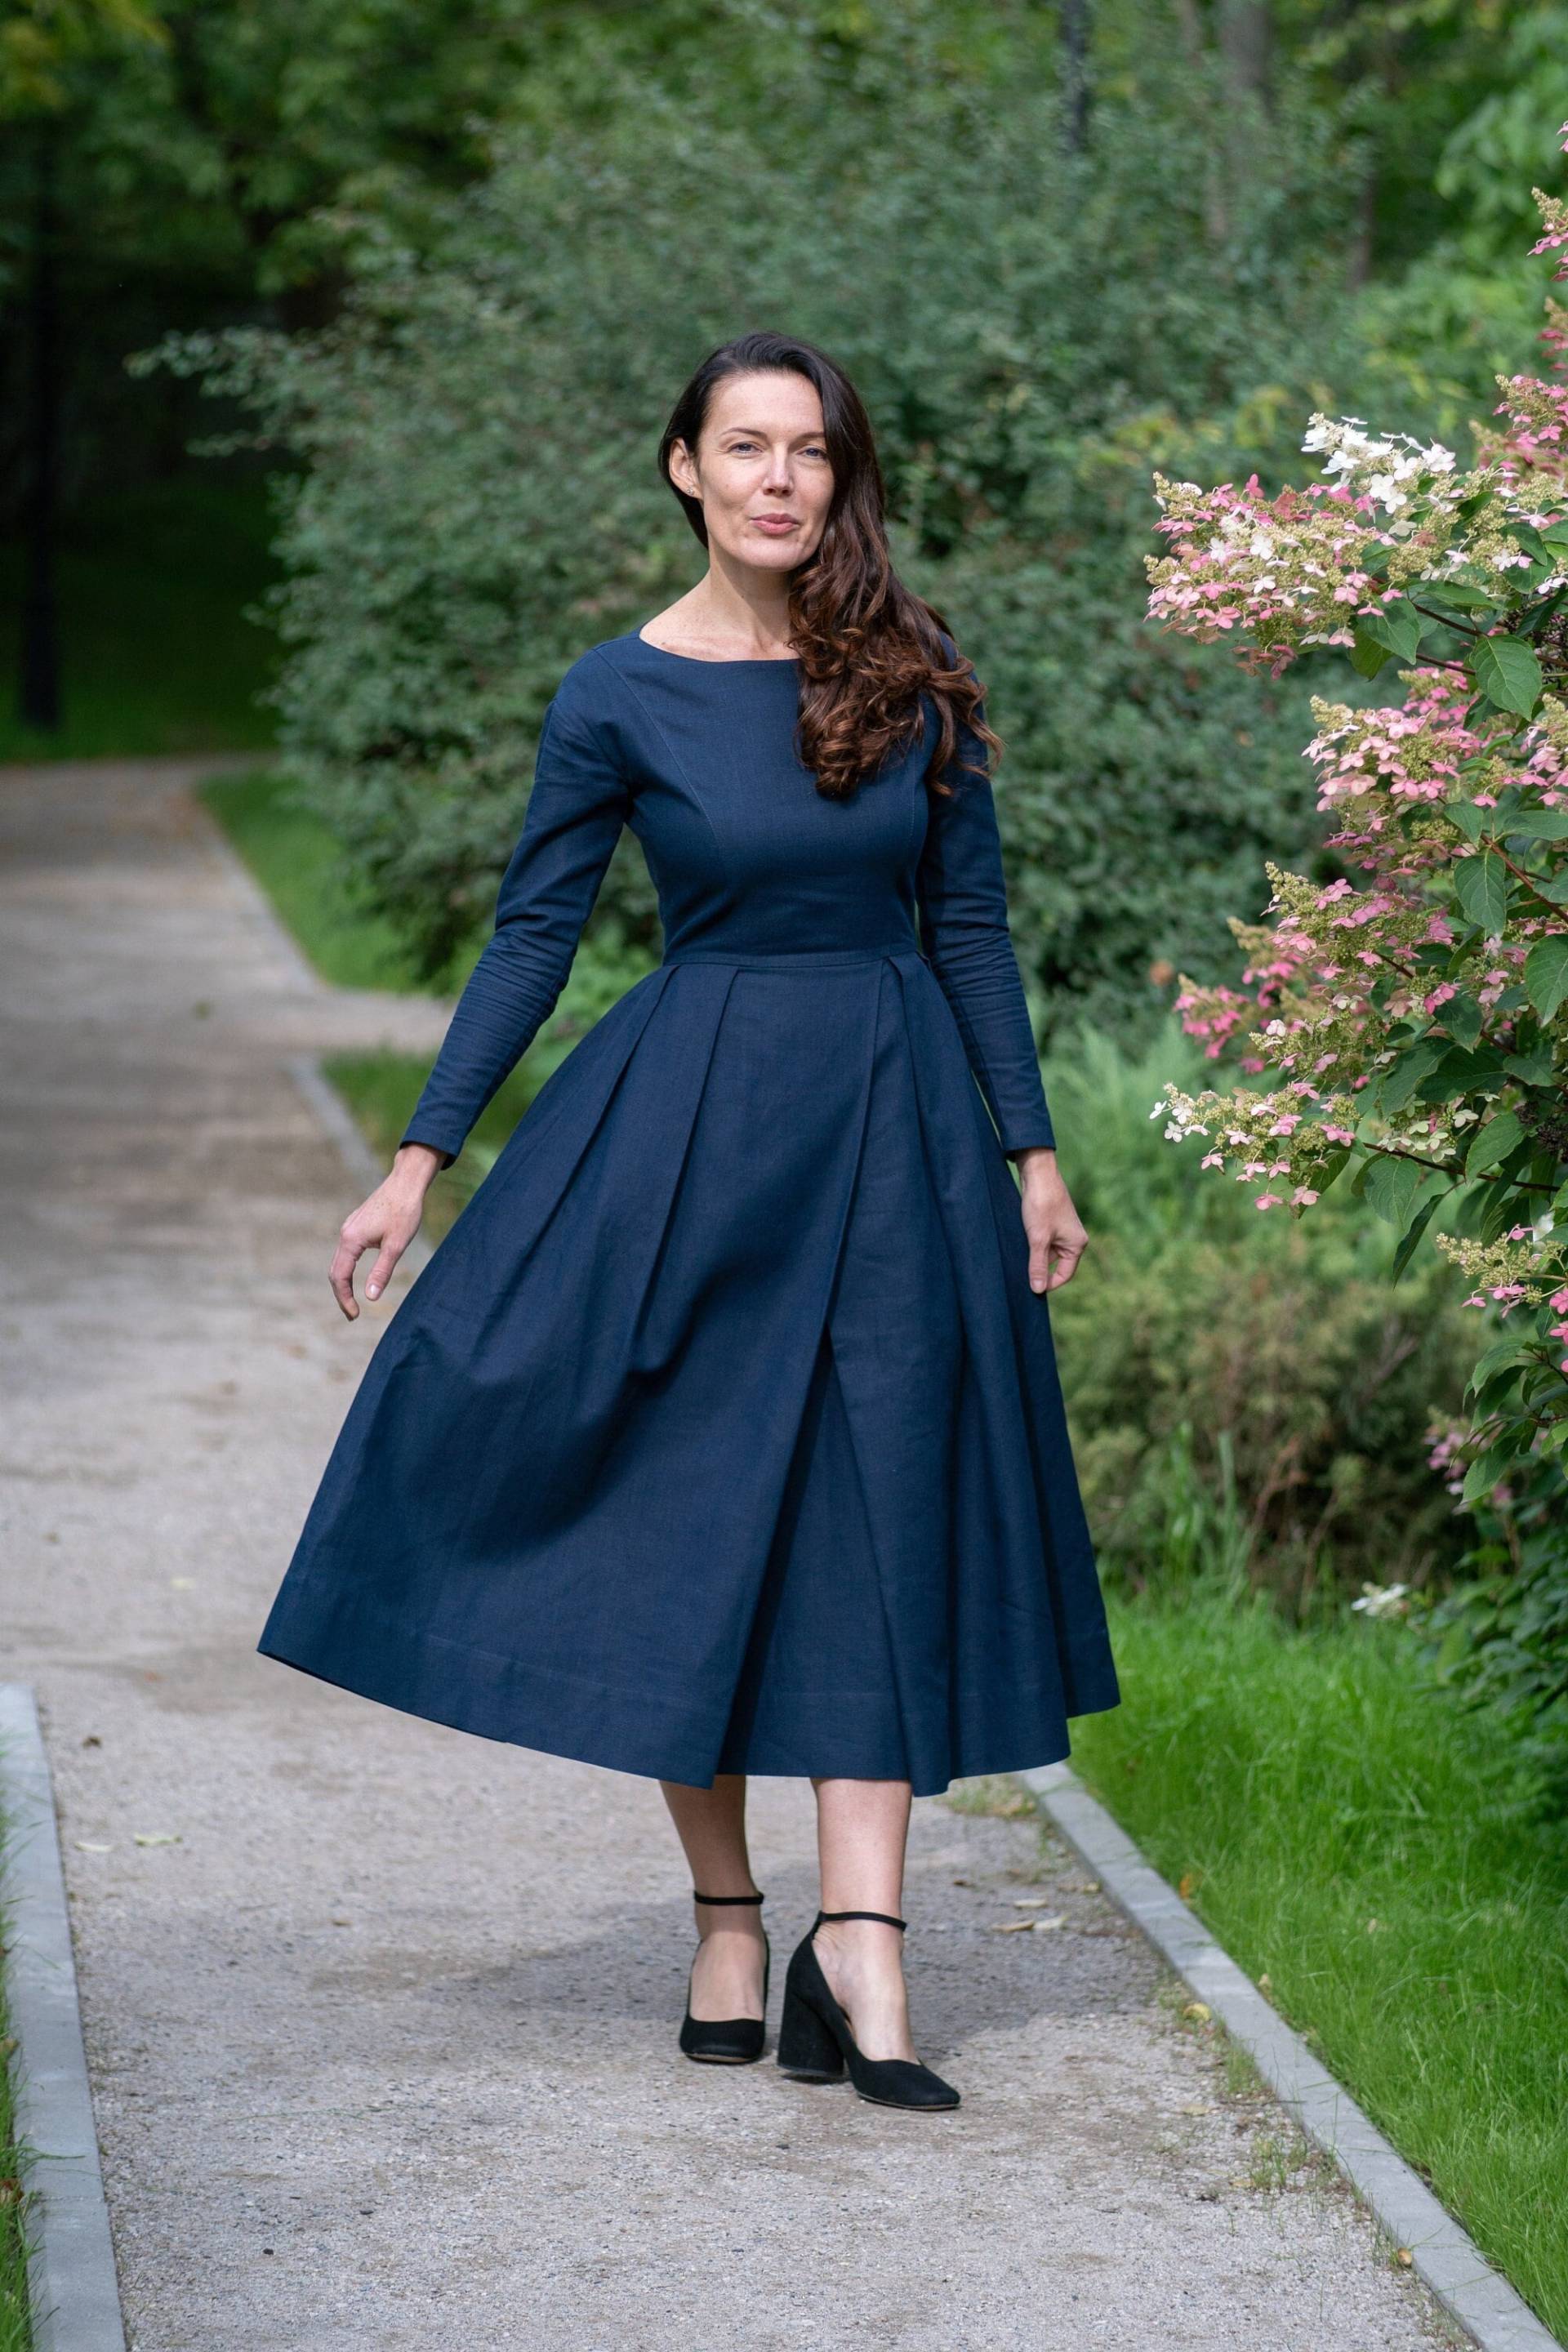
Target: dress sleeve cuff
{"type": "Point", "coordinates": [421, 1133]}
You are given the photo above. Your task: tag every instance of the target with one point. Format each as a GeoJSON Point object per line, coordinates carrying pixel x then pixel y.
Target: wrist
{"type": "Point", "coordinates": [419, 1163]}
{"type": "Point", "coordinates": [1035, 1160]}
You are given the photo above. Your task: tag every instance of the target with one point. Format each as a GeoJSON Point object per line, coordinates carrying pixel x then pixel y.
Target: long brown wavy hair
{"type": "Point", "coordinates": [867, 646]}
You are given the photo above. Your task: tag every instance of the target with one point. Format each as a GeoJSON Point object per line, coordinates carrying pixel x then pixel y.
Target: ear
{"type": "Point", "coordinates": [682, 472]}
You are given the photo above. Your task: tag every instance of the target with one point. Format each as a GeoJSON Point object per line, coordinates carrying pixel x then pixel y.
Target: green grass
{"type": "Point", "coordinates": [157, 655]}
{"type": "Point", "coordinates": [1344, 1828]}
{"type": "Point", "coordinates": [381, 1090]}
{"type": "Point", "coordinates": [15, 2329]}
{"type": "Point", "coordinates": [298, 863]}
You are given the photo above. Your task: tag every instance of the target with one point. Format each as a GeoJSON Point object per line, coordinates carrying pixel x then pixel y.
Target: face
{"type": "Point", "coordinates": [760, 469]}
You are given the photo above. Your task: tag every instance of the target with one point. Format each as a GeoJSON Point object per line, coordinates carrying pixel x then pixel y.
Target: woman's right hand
{"type": "Point", "coordinates": [388, 1221]}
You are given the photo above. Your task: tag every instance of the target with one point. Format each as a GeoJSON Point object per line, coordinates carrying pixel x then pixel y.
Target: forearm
{"type": "Point", "coordinates": [511, 993]}
{"type": "Point", "coordinates": [978, 973]}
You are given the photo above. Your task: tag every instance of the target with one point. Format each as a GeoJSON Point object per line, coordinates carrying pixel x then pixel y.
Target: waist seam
{"type": "Point", "coordinates": [789, 959]}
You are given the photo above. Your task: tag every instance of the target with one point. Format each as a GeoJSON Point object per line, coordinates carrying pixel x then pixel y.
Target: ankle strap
{"type": "Point", "coordinates": [885, 1916]}
{"type": "Point", "coordinates": [727, 1898]}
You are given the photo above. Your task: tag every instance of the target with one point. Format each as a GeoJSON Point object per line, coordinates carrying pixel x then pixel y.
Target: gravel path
{"type": "Point", "coordinates": [383, 2042]}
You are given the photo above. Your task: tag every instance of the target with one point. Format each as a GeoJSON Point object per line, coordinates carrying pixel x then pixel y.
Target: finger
{"type": "Point", "coordinates": [381, 1272]}
{"type": "Point", "coordinates": [1066, 1255]}
{"type": "Point", "coordinates": [340, 1276]}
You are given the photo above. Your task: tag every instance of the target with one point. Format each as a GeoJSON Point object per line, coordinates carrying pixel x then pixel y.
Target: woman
{"type": "Point", "coordinates": [722, 1435]}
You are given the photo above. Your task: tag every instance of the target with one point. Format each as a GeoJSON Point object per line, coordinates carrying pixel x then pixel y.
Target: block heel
{"type": "Point", "coordinates": [806, 2047]}
{"type": "Point", "coordinates": [815, 2026]}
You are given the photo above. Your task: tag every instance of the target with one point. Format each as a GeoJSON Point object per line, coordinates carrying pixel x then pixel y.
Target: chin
{"type": "Point", "coordinates": [774, 555]}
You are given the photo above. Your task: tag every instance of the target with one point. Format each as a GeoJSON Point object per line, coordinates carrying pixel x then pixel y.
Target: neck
{"type": "Point", "coordinates": [738, 601]}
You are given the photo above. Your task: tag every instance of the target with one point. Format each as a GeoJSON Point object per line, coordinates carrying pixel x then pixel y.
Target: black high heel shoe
{"type": "Point", "coordinates": [727, 2041]}
{"type": "Point", "coordinates": [816, 2042]}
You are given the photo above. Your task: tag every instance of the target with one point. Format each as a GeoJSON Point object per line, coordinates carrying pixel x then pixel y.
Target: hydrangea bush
{"type": "Point", "coordinates": [1403, 1027]}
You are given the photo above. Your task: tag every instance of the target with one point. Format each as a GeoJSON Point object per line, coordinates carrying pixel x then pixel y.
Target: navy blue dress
{"type": "Point", "coordinates": [722, 1432]}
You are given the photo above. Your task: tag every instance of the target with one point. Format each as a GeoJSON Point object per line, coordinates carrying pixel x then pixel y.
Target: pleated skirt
{"type": "Point", "coordinates": [723, 1433]}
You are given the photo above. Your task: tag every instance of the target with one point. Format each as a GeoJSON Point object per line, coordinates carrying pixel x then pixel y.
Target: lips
{"type": "Point", "coordinates": [776, 525]}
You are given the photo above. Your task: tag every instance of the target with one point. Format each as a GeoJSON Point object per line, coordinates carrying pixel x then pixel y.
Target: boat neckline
{"type": "Point", "coordinates": [698, 661]}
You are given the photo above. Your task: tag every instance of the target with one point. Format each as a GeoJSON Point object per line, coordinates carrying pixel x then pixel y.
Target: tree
{"type": "Point", "coordinates": [472, 505]}
{"type": "Point", "coordinates": [41, 48]}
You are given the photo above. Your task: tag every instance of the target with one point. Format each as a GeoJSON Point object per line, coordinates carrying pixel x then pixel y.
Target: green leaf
{"type": "Point", "coordinates": [1537, 1068]}
{"type": "Point", "coordinates": [1532, 541]}
{"type": "Point", "coordinates": [1471, 821]}
{"type": "Point", "coordinates": [1331, 1167]}
{"type": "Point", "coordinates": [1396, 627]}
{"type": "Point", "coordinates": [1506, 669]}
{"type": "Point", "coordinates": [1555, 534]}
{"type": "Point", "coordinates": [1499, 1358]}
{"type": "Point", "coordinates": [1459, 593]}
{"type": "Point", "coordinates": [1546, 975]}
{"type": "Point", "coordinates": [1461, 1073]}
{"type": "Point", "coordinates": [1491, 1395]}
{"type": "Point", "coordinates": [1553, 887]}
{"type": "Point", "coordinates": [1390, 1187]}
{"type": "Point", "coordinates": [1540, 825]}
{"type": "Point", "coordinates": [1492, 1145]}
{"type": "Point", "coordinates": [1400, 1080]}
{"type": "Point", "coordinates": [1483, 1475]}
{"type": "Point", "coordinates": [1480, 885]}
{"type": "Point", "coordinates": [1366, 655]}
{"type": "Point", "coordinates": [1462, 1017]}
{"type": "Point", "coordinates": [1413, 1233]}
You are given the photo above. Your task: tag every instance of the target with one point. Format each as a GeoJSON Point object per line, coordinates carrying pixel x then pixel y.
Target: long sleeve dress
{"type": "Point", "coordinates": [722, 1432]}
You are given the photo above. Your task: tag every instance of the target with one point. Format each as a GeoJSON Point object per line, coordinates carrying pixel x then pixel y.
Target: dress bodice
{"type": "Point", "coordinates": [749, 860]}
{"type": "Point", "coordinates": [745, 852]}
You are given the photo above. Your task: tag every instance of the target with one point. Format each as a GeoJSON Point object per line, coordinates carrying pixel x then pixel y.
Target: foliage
{"type": "Point", "coordinates": [302, 869]}
{"type": "Point", "coordinates": [42, 40]}
{"type": "Point", "coordinates": [1500, 1637]}
{"type": "Point", "coordinates": [1416, 1031]}
{"type": "Point", "coordinates": [472, 506]}
{"type": "Point", "coordinates": [1379, 1861]}
{"type": "Point", "coordinates": [1240, 1387]}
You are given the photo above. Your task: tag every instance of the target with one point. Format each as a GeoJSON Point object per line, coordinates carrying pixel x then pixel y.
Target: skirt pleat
{"type": "Point", "coordinates": [722, 1433]}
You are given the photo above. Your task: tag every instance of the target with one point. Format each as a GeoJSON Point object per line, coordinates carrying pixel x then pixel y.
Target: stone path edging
{"type": "Point", "coordinates": [1442, 2253]}
{"type": "Point", "coordinates": [339, 1122]}
{"type": "Point", "coordinates": [73, 2283]}
{"type": "Point", "coordinates": [259, 906]}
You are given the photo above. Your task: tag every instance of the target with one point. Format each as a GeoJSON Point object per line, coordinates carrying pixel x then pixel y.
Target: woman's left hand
{"type": "Point", "coordinates": [1057, 1237]}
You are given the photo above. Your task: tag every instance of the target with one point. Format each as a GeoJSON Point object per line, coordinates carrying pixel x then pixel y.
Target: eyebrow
{"type": "Point", "coordinates": [818, 433]}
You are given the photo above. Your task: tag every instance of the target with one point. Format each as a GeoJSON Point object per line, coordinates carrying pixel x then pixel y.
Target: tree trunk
{"type": "Point", "coordinates": [1246, 29]}
{"type": "Point", "coordinates": [1075, 73]}
{"type": "Point", "coordinates": [38, 686]}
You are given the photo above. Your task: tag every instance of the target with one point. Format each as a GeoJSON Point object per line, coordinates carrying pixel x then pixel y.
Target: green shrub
{"type": "Point", "coordinates": [477, 498]}
{"type": "Point", "coordinates": [1500, 1637]}
{"type": "Point", "coordinates": [1244, 1389]}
